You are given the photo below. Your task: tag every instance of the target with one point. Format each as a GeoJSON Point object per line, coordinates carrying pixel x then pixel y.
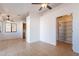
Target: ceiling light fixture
{"type": "Point", "coordinates": [8, 19]}
{"type": "Point", "coordinates": [44, 5]}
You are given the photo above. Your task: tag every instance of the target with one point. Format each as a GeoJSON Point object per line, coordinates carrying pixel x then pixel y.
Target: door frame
{"type": "Point", "coordinates": [57, 26]}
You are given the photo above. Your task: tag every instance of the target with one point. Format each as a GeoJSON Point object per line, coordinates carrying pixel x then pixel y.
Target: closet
{"type": "Point", "coordinates": [64, 28]}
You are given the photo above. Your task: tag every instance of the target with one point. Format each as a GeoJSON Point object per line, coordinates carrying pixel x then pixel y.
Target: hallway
{"type": "Point", "coordinates": [12, 48]}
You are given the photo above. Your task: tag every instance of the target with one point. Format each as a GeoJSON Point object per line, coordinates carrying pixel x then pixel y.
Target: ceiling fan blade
{"type": "Point", "coordinates": [40, 8]}
{"type": "Point", "coordinates": [36, 3]}
{"type": "Point", "coordinates": [49, 7]}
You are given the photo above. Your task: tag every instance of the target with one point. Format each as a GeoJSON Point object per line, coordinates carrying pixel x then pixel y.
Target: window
{"type": "Point", "coordinates": [11, 27]}
{"type": "Point", "coordinates": [0, 26]}
{"type": "Point", "coordinates": [8, 27]}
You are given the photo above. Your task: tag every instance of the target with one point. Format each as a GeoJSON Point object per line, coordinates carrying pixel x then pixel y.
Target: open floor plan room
{"type": "Point", "coordinates": [39, 29]}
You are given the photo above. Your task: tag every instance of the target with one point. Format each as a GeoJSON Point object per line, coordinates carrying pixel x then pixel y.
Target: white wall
{"type": "Point", "coordinates": [48, 29]}
{"type": "Point", "coordinates": [12, 35]}
{"type": "Point", "coordinates": [76, 28]}
{"type": "Point", "coordinates": [28, 29]}
{"type": "Point", "coordinates": [48, 24]}
{"type": "Point", "coordinates": [34, 30]}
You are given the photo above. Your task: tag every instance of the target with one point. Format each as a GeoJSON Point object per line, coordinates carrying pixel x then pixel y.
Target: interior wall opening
{"type": "Point", "coordinates": [64, 29]}
{"type": "Point", "coordinates": [24, 31]}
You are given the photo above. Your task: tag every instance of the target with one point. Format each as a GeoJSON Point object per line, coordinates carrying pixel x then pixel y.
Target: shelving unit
{"type": "Point", "coordinates": [65, 28]}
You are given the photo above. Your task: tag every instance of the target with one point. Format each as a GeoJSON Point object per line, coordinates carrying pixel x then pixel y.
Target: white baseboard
{"type": "Point", "coordinates": [54, 44]}
{"type": "Point", "coordinates": [75, 51]}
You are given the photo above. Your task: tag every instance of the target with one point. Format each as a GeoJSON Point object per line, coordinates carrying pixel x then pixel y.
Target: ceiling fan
{"type": "Point", "coordinates": [7, 18]}
{"type": "Point", "coordinates": [43, 5]}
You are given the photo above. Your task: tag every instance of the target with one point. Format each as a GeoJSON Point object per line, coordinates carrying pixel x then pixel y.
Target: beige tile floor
{"type": "Point", "coordinates": [19, 47]}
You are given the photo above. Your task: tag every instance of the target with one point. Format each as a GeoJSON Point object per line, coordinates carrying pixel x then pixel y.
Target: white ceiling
{"type": "Point", "coordinates": [22, 9]}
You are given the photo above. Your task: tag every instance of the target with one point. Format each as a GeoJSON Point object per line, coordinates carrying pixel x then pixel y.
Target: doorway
{"type": "Point", "coordinates": [24, 30]}
{"type": "Point", "coordinates": [64, 29]}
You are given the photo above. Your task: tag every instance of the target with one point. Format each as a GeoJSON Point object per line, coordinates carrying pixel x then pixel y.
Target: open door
{"type": "Point", "coordinates": [24, 30]}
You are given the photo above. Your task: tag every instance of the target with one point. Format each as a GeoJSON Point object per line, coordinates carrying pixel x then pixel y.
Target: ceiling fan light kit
{"type": "Point", "coordinates": [44, 5]}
